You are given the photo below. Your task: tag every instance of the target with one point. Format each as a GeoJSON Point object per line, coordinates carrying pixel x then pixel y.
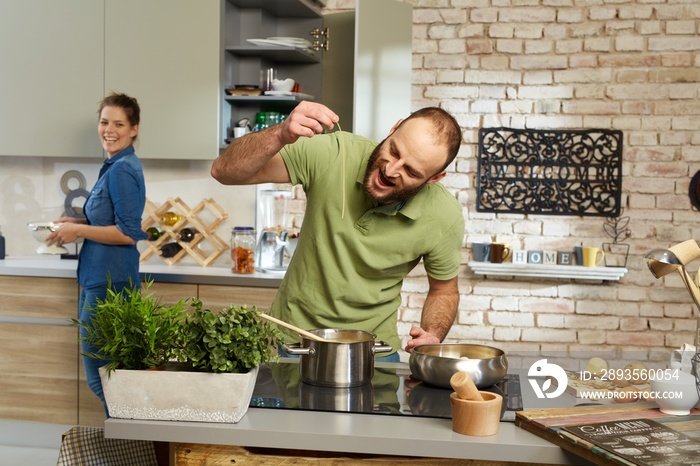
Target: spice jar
{"type": "Point", "coordinates": [243, 249]}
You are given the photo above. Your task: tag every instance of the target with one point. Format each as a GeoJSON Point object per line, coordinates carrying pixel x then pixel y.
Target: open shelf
{"type": "Point", "coordinates": [277, 54]}
{"type": "Point", "coordinates": [291, 99]}
{"type": "Point", "coordinates": [548, 271]}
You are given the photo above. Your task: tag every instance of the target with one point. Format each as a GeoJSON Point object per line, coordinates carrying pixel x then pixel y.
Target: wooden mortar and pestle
{"type": "Point", "coordinates": [474, 412]}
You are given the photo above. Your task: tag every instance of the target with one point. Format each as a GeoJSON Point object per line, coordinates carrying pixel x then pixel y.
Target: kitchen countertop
{"type": "Point", "coordinates": [354, 433]}
{"type": "Point", "coordinates": [54, 267]}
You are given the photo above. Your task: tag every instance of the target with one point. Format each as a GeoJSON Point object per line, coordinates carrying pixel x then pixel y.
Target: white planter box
{"type": "Point", "coordinates": [169, 395]}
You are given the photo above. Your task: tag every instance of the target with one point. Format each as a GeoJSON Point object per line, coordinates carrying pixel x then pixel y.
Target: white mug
{"type": "Point", "coordinates": [239, 131]}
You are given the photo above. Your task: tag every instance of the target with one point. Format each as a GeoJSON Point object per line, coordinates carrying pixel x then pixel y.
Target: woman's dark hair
{"type": "Point", "coordinates": [445, 128]}
{"type": "Point", "coordinates": [129, 104]}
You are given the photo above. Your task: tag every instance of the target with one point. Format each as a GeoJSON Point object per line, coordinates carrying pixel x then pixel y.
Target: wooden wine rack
{"type": "Point", "coordinates": [197, 218]}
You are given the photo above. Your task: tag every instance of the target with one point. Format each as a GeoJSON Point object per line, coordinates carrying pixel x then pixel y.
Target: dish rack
{"type": "Point", "coordinates": [205, 247]}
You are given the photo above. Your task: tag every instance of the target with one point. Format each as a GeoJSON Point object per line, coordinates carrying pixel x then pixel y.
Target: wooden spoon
{"type": "Point", "coordinates": [309, 335]}
{"type": "Point", "coordinates": [464, 386]}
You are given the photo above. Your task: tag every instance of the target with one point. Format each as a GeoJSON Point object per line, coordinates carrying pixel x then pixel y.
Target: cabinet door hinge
{"type": "Point", "coordinates": [322, 37]}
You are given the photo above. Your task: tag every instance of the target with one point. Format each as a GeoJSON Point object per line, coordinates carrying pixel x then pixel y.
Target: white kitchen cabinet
{"type": "Point", "coordinates": [61, 58]}
{"type": "Point", "coordinates": [177, 57]}
{"type": "Point", "coordinates": [51, 78]}
{"type": "Point", "coordinates": [166, 53]}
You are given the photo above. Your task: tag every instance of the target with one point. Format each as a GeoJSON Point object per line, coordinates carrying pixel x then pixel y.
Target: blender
{"type": "Point", "coordinates": [272, 219]}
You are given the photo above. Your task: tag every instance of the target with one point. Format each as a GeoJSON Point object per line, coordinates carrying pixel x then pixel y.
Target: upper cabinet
{"type": "Point", "coordinates": [166, 53]}
{"type": "Point", "coordinates": [51, 81]}
{"type": "Point", "coordinates": [359, 68]}
{"type": "Point", "coordinates": [251, 32]}
{"type": "Point", "coordinates": [178, 57]}
{"type": "Point", "coordinates": [61, 58]}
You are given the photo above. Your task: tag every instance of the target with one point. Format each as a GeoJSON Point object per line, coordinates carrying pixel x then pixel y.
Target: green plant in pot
{"type": "Point", "coordinates": [134, 330]}
{"type": "Point", "coordinates": [232, 340]}
{"type": "Point", "coordinates": [212, 358]}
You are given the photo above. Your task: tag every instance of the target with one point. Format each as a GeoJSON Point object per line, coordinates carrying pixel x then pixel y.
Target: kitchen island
{"type": "Point", "coordinates": [322, 430]}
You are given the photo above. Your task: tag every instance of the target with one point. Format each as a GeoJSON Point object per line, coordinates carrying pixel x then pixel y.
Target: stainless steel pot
{"type": "Point", "coordinates": [345, 360]}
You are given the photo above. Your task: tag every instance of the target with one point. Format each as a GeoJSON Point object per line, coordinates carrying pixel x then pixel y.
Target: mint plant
{"type": "Point", "coordinates": [233, 340]}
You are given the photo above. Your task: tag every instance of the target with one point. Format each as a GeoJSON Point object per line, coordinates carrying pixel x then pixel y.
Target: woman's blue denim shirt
{"type": "Point", "coordinates": [118, 198]}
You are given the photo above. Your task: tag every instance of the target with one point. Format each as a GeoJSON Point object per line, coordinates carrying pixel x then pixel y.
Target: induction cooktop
{"type": "Point", "coordinates": [393, 391]}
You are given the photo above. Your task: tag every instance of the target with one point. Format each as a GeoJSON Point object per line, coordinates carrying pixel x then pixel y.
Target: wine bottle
{"type": "Point", "coordinates": [187, 234]}
{"type": "Point", "coordinates": [153, 233]}
{"type": "Point", "coordinates": [170, 218]}
{"type": "Point", "coordinates": [169, 250]}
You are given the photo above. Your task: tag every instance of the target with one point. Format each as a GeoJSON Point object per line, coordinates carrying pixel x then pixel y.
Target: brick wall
{"type": "Point", "coordinates": [631, 65]}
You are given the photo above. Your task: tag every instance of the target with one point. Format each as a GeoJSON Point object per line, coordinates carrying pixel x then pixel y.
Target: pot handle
{"type": "Point", "coordinates": [381, 347]}
{"type": "Point", "coordinates": [295, 349]}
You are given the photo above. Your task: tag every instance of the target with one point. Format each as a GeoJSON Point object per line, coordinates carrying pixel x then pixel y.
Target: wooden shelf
{"type": "Point", "coordinates": [548, 271]}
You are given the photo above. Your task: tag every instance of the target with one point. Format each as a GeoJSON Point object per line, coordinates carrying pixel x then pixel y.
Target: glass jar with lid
{"type": "Point", "coordinates": [243, 249]}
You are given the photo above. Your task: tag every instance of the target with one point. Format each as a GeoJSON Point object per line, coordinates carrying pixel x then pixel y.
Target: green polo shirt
{"type": "Point", "coordinates": [347, 271]}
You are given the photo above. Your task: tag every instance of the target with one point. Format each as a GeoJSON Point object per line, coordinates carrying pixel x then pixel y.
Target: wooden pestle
{"type": "Point", "coordinates": [464, 386]}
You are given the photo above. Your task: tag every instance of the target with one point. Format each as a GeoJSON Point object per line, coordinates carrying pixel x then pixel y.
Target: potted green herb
{"type": "Point", "coordinates": [134, 330]}
{"type": "Point", "coordinates": [233, 340]}
{"type": "Point", "coordinates": [210, 359]}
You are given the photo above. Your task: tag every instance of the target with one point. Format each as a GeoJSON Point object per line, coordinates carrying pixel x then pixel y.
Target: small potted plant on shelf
{"type": "Point", "coordinates": [616, 252]}
{"type": "Point", "coordinates": [210, 360]}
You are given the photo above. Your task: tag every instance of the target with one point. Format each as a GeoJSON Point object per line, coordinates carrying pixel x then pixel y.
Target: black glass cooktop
{"type": "Point", "coordinates": [393, 391]}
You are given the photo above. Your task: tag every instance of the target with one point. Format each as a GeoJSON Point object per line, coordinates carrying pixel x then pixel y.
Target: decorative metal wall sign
{"type": "Point", "coordinates": [550, 172]}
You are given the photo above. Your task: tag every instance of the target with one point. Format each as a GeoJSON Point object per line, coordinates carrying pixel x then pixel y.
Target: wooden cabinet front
{"type": "Point", "coordinates": [39, 367]}
{"type": "Point", "coordinates": [31, 297]}
{"type": "Point", "coordinates": [171, 293]}
{"type": "Point", "coordinates": [217, 297]}
{"type": "Point", "coordinates": [38, 349]}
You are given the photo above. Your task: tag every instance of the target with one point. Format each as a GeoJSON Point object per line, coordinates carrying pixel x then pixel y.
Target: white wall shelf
{"type": "Point", "coordinates": [548, 271]}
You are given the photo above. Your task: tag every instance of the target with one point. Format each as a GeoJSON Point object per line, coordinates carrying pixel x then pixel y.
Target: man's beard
{"type": "Point", "coordinates": [397, 195]}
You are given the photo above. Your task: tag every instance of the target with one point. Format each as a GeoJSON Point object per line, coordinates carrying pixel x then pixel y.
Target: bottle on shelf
{"type": "Point", "coordinates": [186, 234]}
{"type": "Point", "coordinates": [170, 218]}
{"type": "Point", "coordinates": [169, 250]}
{"type": "Point", "coordinates": [243, 249]}
{"type": "Point", "coordinates": [260, 121]}
{"type": "Point", "coordinates": [153, 233]}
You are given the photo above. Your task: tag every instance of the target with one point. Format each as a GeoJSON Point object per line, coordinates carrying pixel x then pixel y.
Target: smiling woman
{"type": "Point", "coordinates": [112, 224]}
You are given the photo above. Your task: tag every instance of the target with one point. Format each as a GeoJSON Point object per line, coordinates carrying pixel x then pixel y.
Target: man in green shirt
{"type": "Point", "coordinates": [373, 212]}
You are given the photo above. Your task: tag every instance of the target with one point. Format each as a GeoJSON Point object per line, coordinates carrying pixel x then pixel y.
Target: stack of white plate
{"type": "Point", "coordinates": [296, 42]}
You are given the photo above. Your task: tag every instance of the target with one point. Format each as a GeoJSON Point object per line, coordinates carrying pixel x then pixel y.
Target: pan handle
{"type": "Point", "coordinates": [295, 349]}
{"type": "Point", "coordinates": [381, 347]}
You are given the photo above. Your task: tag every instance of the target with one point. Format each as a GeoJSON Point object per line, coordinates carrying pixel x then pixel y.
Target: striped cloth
{"type": "Point", "coordinates": [87, 446]}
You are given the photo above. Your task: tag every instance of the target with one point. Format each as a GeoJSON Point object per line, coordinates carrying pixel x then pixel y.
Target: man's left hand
{"type": "Point", "coordinates": [420, 337]}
